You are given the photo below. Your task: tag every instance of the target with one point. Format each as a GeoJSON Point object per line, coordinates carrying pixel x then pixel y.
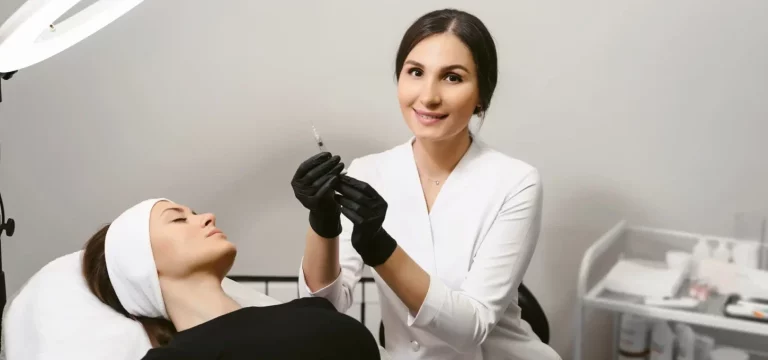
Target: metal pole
{"type": "Point", "coordinates": [5, 76]}
{"type": "Point", "coordinates": [9, 227]}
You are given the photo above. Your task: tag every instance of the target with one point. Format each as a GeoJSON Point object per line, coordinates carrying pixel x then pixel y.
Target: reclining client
{"type": "Point", "coordinates": [162, 264]}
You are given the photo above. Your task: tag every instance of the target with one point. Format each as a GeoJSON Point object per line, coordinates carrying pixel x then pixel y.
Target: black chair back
{"type": "Point", "coordinates": [532, 313]}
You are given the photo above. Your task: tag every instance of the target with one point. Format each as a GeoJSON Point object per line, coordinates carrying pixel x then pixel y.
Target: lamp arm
{"type": "Point", "coordinates": [8, 228]}
{"type": "Point", "coordinates": [5, 76]}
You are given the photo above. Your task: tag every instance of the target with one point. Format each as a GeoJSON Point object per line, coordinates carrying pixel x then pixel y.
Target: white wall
{"type": "Point", "coordinates": [653, 111]}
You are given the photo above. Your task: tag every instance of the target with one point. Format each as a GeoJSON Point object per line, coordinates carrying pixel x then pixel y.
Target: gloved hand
{"type": "Point", "coordinates": [313, 185]}
{"type": "Point", "coordinates": [366, 209]}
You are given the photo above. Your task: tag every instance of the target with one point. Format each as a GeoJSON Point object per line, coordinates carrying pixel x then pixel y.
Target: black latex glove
{"type": "Point", "coordinates": [313, 185]}
{"type": "Point", "coordinates": [366, 209]}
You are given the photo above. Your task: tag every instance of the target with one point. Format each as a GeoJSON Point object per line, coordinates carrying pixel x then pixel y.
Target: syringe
{"type": "Point", "coordinates": [320, 143]}
{"type": "Point", "coordinates": [318, 139]}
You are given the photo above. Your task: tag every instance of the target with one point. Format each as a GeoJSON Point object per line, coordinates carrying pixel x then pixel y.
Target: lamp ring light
{"type": "Point", "coordinates": [30, 36]}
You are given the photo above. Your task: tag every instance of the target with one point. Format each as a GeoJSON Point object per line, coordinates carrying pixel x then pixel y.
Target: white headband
{"type": "Point", "coordinates": [131, 264]}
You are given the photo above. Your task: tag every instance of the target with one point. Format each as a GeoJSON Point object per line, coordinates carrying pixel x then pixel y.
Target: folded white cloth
{"type": "Point", "coordinates": [645, 279]}
{"type": "Point", "coordinates": [131, 264]}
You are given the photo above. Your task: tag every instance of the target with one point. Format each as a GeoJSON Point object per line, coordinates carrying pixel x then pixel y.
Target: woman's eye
{"type": "Point", "coordinates": [180, 220]}
{"type": "Point", "coordinates": [453, 78]}
{"type": "Point", "coordinates": [415, 72]}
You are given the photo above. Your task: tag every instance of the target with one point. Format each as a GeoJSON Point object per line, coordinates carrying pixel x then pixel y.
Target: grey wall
{"type": "Point", "coordinates": [653, 111]}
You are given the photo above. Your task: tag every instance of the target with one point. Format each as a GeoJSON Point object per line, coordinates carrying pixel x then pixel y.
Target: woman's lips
{"type": "Point", "coordinates": [429, 117]}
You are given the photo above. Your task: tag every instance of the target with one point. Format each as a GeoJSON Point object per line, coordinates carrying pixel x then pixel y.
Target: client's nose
{"type": "Point", "coordinates": [208, 219]}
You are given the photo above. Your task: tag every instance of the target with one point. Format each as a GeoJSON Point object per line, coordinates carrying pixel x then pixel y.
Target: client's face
{"type": "Point", "coordinates": [185, 243]}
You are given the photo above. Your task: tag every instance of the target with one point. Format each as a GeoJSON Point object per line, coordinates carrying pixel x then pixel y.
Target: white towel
{"type": "Point", "coordinates": [131, 264]}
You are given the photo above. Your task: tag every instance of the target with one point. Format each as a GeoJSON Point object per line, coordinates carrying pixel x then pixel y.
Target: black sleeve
{"type": "Point", "coordinates": [313, 302]}
{"type": "Point", "coordinates": [171, 353]}
{"type": "Point", "coordinates": [162, 354]}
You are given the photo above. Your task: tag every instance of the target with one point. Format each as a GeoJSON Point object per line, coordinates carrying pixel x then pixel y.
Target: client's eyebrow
{"type": "Point", "coordinates": [178, 210]}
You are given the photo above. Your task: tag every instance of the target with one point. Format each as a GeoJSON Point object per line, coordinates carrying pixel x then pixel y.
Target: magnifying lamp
{"type": "Point", "coordinates": [32, 35]}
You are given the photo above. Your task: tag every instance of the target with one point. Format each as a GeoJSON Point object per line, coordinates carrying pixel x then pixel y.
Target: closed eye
{"type": "Point", "coordinates": [180, 220]}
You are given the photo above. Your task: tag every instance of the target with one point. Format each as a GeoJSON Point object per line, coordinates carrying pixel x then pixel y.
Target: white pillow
{"type": "Point", "coordinates": [55, 316]}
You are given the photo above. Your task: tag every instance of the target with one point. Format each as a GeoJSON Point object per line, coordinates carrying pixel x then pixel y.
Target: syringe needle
{"type": "Point", "coordinates": [318, 139]}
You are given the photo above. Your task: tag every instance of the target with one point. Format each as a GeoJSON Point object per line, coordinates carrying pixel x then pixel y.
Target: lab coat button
{"type": "Point", "coordinates": [415, 345]}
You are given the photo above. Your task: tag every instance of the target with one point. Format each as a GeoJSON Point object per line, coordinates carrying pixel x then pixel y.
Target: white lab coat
{"type": "Point", "coordinates": [476, 244]}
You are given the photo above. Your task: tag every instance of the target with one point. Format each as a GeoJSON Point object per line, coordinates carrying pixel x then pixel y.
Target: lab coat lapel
{"type": "Point", "coordinates": [416, 238]}
{"type": "Point", "coordinates": [454, 220]}
{"type": "Point", "coordinates": [458, 181]}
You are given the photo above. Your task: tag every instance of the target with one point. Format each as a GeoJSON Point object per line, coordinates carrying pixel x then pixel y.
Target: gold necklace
{"type": "Point", "coordinates": [436, 182]}
{"type": "Point", "coordinates": [429, 179]}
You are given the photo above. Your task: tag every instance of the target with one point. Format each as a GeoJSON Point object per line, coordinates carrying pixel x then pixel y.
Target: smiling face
{"type": "Point", "coordinates": [437, 88]}
{"type": "Point", "coordinates": [185, 243]}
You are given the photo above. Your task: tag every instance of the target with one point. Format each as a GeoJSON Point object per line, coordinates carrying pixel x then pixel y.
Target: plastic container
{"type": "Point", "coordinates": [746, 254]}
{"type": "Point", "coordinates": [686, 342]}
{"type": "Point", "coordinates": [662, 342]}
{"type": "Point", "coordinates": [633, 338]}
{"type": "Point", "coordinates": [728, 353]}
{"type": "Point", "coordinates": [700, 251]}
{"type": "Point", "coordinates": [722, 253]}
{"type": "Point", "coordinates": [703, 347]}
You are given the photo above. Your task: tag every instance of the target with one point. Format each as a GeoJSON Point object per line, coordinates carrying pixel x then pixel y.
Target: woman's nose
{"type": "Point", "coordinates": [208, 219]}
{"type": "Point", "coordinates": [430, 94]}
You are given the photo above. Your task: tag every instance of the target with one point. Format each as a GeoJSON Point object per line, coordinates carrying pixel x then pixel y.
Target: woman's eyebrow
{"type": "Point", "coordinates": [444, 68]}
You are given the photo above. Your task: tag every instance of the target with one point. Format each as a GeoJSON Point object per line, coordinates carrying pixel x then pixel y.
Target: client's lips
{"type": "Point", "coordinates": [214, 232]}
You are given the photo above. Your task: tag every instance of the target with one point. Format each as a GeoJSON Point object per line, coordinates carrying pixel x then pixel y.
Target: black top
{"type": "Point", "coordinates": [305, 328]}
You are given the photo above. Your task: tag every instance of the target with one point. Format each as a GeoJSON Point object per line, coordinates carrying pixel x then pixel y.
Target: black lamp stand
{"type": "Point", "coordinates": [8, 226]}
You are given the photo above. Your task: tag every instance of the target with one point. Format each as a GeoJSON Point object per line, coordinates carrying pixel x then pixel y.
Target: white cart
{"type": "Point", "coordinates": [651, 244]}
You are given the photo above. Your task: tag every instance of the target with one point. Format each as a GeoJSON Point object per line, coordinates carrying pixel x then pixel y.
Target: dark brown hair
{"type": "Point", "coordinates": [471, 31]}
{"type": "Point", "coordinates": [159, 330]}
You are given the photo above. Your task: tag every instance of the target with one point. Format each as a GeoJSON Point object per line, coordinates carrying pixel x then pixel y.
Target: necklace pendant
{"type": "Point", "coordinates": [437, 182]}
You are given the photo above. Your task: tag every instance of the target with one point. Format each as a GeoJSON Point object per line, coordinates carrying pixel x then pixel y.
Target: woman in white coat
{"type": "Point", "coordinates": [447, 224]}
